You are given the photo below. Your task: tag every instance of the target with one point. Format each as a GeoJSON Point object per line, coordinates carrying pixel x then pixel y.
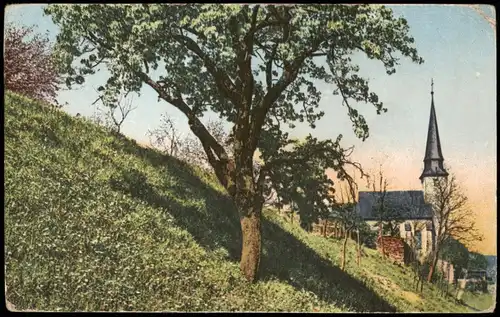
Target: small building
{"type": "Point", "coordinates": [406, 207]}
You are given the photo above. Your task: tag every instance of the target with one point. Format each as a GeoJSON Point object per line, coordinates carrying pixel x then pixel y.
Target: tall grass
{"type": "Point", "coordinates": [94, 222]}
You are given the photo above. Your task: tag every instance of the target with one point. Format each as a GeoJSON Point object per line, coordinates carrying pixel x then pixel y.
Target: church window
{"type": "Point", "coordinates": [418, 240]}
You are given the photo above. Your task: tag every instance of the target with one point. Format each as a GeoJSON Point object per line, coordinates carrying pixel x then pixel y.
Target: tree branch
{"type": "Point", "coordinates": [290, 73]}
{"type": "Point", "coordinates": [223, 82]}
{"type": "Point", "coordinates": [222, 164]}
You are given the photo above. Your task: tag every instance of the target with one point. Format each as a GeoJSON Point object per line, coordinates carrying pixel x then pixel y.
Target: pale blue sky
{"type": "Point", "coordinates": [458, 46]}
{"type": "Point", "coordinates": [459, 51]}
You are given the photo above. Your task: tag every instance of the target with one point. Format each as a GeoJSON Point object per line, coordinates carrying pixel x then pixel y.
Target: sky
{"type": "Point", "coordinates": [458, 47]}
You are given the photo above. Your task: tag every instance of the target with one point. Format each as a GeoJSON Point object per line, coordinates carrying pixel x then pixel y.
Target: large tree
{"type": "Point", "coordinates": [453, 219]}
{"type": "Point", "coordinates": [255, 66]}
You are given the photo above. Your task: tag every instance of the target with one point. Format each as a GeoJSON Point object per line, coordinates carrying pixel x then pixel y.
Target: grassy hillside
{"type": "Point", "coordinates": [479, 302]}
{"type": "Point", "coordinates": [95, 222]}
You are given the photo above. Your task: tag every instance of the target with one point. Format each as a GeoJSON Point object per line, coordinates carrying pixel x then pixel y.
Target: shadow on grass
{"type": "Point", "coordinates": [217, 225]}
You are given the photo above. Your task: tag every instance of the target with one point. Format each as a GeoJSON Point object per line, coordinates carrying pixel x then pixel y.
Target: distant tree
{"type": "Point", "coordinates": [388, 212]}
{"type": "Point", "coordinates": [379, 184]}
{"type": "Point", "coordinates": [453, 218]}
{"type": "Point", "coordinates": [115, 111]}
{"type": "Point", "coordinates": [477, 261]}
{"type": "Point", "coordinates": [309, 189]}
{"type": "Point", "coordinates": [344, 212]}
{"type": "Point", "coordinates": [166, 137]}
{"type": "Point", "coordinates": [254, 66]}
{"type": "Point", "coordinates": [28, 65]}
{"type": "Point", "coordinates": [119, 111]}
{"type": "Point", "coordinates": [456, 253]}
{"type": "Point", "coordinates": [192, 150]}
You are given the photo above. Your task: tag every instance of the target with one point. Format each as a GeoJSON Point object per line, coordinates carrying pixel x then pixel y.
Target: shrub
{"type": "Point", "coordinates": [28, 66]}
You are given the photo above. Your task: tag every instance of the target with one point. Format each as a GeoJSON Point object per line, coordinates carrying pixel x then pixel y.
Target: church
{"type": "Point", "coordinates": [412, 210]}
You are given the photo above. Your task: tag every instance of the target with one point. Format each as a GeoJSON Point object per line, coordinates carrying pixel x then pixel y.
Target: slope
{"type": "Point", "coordinates": [94, 222]}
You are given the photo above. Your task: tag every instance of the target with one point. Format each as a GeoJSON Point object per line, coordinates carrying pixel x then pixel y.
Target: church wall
{"type": "Point", "coordinates": [410, 236]}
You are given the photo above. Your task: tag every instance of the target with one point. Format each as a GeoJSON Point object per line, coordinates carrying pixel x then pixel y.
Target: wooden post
{"type": "Point", "coordinates": [359, 246]}
{"type": "Point", "coordinates": [344, 246]}
{"type": "Point", "coordinates": [381, 239]}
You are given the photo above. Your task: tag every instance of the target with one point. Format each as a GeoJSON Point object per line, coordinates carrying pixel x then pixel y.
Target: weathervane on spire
{"type": "Point", "coordinates": [432, 86]}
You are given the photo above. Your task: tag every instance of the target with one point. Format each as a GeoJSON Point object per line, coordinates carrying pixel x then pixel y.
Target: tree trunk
{"type": "Point", "coordinates": [249, 201]}
{"type": "Point", "coordinates": [344, 251]}
{"type": "Point", "coordinates": [381, 239]}
{"type": "Point", "coordinates": [325, 226]}
{"type": "Point", "coordinates": [421, 284]}
{"type": "Point", "coordinates": [252, 244]}
{"type": "Point", "coordinates": [433, 265]}
{"type": "Point", "coordinates": [359, 247]}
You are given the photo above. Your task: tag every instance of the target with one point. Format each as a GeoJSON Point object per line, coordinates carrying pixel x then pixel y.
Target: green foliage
{"type": "Point", "coordinates": [479, 302]}
{"type": "Point", "coordinates": [477, 286]}
{"type": "Point", "coordinates": [346, 215]}
{"type": "Point", "coordinates": [255, 66]}
{"type": "Point", "coordinates": [367, 235]}
{"type": "Point", "coordinates": [95, 222]}
{"type": "Point", "coordinates": [456, 253]}
{"type": "Point", "coordinates": [477, 261]}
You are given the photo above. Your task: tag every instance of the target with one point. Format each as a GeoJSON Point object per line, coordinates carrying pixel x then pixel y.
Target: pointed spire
{"type": "Point", "coordinates": [433, 160]}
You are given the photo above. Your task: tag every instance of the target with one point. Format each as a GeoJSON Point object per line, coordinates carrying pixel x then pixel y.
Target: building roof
{"type": "Point", "coordinates": [433, 160]}
{"type": "Point", "coordinates": [404, 205]}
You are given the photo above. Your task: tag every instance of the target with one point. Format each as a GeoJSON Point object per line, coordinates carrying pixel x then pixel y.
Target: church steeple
{"type": "Point", "coordinates": [433, 160]}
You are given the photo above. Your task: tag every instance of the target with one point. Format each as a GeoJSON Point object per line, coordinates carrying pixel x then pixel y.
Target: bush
{"type": "Point", "coordinates": [368, 237]}
{"type": "Point", "coordinates": [477, 286]}
{"type": "Point", "coordinates": [28, 65]}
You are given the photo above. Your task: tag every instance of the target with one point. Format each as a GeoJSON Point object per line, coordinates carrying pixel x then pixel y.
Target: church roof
{"type": "Point", "coordinates": [433, 160]}
{"type": "Point", "coordinates": [404, 205]}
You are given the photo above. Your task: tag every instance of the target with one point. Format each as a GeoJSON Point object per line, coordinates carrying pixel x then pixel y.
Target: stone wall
{"type": "Point", "coordinates": [332, 229]}
{"type": "Point", "coordinates": [447, 270]}
{"type": "Point", "coordinates": [395, 248]}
